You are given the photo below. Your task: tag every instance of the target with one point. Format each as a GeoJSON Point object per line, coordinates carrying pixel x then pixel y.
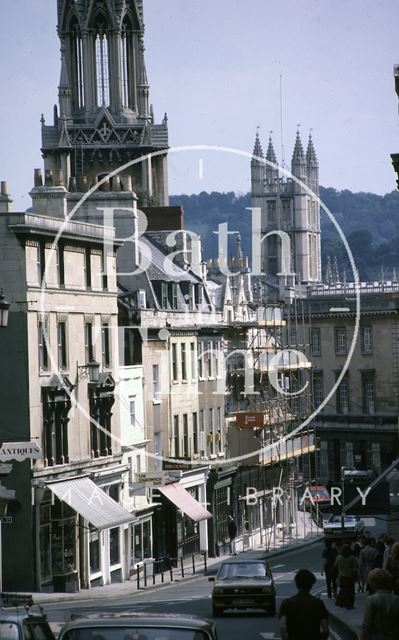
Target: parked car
{"type": "Point", "coordinates": [244, 584]}
{"type": "Point", "coordinates": [137, 626]}
{"type": "Point", "coordinates": [19, 622]}
{"type": "Point", "coordinates": [353, 526]}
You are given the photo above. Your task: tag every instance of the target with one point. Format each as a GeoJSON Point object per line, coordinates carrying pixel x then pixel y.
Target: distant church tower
{"type": "Point", "coordinates": [285, 205]}
{"type": "Point", "coordinates": [104, 117]}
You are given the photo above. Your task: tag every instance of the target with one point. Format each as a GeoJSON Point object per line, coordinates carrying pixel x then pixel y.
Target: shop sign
{"type": "Point", "coordinates": [250, 420]}
{"type": "Point", "coordinates": [153, 479]}
{"type": "Point", "coordinates": [170, 465]}
{"type": "Point", "coordinates": [20, 451]}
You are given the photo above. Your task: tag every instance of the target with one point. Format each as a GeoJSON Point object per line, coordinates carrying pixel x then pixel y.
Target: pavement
{"type": "Point", "coordinates": [351, 620]}
{"type": "Point", "coordinates": [311, 535]}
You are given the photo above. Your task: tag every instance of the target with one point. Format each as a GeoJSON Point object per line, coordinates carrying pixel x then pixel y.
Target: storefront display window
{"type": "Point", "coordinates": [57, 539]}
{"type": "Point", "coordinates": [114, 554]}
{"type": "Point", "coordinates": [141, 541]}
{"type": "Point", "coordinates": [94, 551]}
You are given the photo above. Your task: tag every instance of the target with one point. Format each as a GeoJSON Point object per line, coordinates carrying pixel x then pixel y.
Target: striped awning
{"type": "Point", "coordinates": [91, 502]}
{"type": "Point", "coordinates": [182, 499]}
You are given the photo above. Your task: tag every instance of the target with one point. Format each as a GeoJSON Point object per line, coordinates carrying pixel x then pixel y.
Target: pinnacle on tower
{"type": "Point", "coordinates": [270, 154]}
{"type": "Point", "coordinates": [258, 151]}
{"type": "Point", "coordinates": [298, 154]}
{"type": "Point", "coordinates": [311, 158]}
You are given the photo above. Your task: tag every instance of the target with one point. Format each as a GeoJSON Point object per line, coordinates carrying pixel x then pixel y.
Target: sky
{"type": "Point", "coordinates": [215, 66]}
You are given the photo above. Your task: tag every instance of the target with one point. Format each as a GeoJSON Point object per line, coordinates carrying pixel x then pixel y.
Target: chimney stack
{"type": "Point", "coordinates": [5, 199]}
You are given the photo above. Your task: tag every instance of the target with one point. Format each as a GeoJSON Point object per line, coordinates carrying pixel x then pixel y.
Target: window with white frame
{"type": "Point", "coordinates": [200, 360]}
{"type": "Point", "coordinates": [342, 395]}
{"type": "Point", "coordinates": [106, 344]}
{"type": "Point", "coordinates": [315, 341]}
{"type": "Point", "coordinates": [183, 361]}
{"type": "Point", "coordinates": [219, 430]}
{"type": "Point", "coordinates": [155, 382]}
{"type": "Point", "coordinates": [186, 441]}
{"type": "Point", "coordinates": [340, 341]}
{"type": "Point", "coordinates": [176, 437]}
{"type": "Point", "coordinates": [368, 392]}
{"type": "Point", "coordinates": [212, 431]}
{"type": "Point", "coordinates": [62, 345]}
{"type": "Point", "coordinates": [195, 433]}
{"type": "Point", "coordinates": [202, 441]}
{"type": "Point", "coordinates": [209, 358]}
{"type": "Point", "coordinates": [44, 361]}
{"type": "Point", "coordinates": [174, 362]}
{"type": "Point", "coordinates": [366, 336]}
{"type": "Point", "coordinates": [193, 357]}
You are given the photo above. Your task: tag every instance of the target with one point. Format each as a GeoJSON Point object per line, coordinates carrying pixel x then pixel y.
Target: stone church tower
{"type": "Point", "coordinates": [104, 118]}
{"type": "Point", "coordinates": [287, 206]}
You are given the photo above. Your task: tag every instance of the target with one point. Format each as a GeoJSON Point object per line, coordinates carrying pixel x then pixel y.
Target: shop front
{"type": "Point", "coordinates": [80, 542]}
{"type": "Point", "coordinates": [181, 523]}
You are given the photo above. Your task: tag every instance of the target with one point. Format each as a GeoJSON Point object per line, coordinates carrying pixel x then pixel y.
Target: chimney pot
{"type": "Point", "coordinates": [82, 184]}
{"type": "Point", "coordinates": [48, 181]}
{"type": "Point", "coordinates": [59, 178]}
{"type": "Point", "coordinates": [127, 182]}
{"type": "Point", "coordinates": [38, 178]}
{"type": "Point", "coordinates": [72, 184]}
{"type": "Point", "coordinates": [116, 183]}
{"type": "Point", "coordinates": [4, 189]}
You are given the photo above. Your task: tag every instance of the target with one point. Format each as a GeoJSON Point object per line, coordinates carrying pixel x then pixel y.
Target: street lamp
{"type": "Point", "coordinates": [91, 370]}
{"type": "Point", "coordinates": [4, 307]}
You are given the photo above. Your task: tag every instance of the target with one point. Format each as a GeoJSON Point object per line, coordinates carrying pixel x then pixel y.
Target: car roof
{"type": "Point", "coordinates": [20, 613]}
{"type": "Point", "coordinates": [127, 618]}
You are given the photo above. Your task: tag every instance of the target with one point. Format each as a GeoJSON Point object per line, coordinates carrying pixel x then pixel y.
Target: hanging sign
{"type": "Point", "coordinates": [20, 451]}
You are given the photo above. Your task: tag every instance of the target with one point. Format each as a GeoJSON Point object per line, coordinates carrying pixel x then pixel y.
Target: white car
{"type": "Point", "coordinates": [352, 527]}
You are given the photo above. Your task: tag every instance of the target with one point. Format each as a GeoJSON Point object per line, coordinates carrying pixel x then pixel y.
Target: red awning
{"type": "Point", "coordinates": [177, 494]}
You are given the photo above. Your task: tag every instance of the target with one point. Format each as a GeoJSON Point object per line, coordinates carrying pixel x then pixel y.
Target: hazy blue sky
{"type": "Point", "coordinates": [214, 66]}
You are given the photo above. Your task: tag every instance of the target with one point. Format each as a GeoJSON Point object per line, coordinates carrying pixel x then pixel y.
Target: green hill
{"type": "Point", "coordinates": [369, 222]}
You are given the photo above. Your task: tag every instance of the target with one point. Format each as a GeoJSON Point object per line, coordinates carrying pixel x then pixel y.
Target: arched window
{"type": "Point", "coordinates": [102, 65]}
{"type": "Point", "coordinates": [126, 62]}
{"type": "Point", "coordinates": [77, 65]}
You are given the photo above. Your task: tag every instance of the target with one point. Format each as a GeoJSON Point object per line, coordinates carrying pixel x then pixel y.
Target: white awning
{"type": "Point", "coordinates": [180, 497]}
{"type": "Point", "coordinates": [91, 502]}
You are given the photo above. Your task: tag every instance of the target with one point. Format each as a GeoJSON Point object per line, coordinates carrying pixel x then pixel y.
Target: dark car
{"type": "Point", "coordinates": [243, 584]}
{"type": "Point", "coordinates": [19, 622]}
{"type": "Point", "coordinates": [137, 626]}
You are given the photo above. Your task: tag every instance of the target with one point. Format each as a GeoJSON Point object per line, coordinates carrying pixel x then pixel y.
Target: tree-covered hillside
{"type": "Point", "coordinates": [370, 224]}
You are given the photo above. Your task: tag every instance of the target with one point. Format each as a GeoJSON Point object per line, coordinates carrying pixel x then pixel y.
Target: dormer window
{"type": "Point", "coordinates": [102, 66]}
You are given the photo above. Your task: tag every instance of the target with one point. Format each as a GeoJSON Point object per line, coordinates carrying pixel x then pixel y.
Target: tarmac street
{"type": "Point", "coordinates": [192, 596]}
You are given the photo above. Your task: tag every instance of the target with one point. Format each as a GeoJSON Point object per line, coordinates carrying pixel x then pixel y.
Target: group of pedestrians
{"type": "Point", "coordinates": [346, 565]}
{"type": "Point", "coordinates": [374, 566]}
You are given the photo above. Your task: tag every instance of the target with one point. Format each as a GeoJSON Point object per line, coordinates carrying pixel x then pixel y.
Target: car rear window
{"type": "Point", "coordinates": [37, 631]}
{"type": "Point", "coordinates": [135, 633]}
{"type": "Point", "coordinates": [243, 570]}
{"type": "Point", "coordinates": [8, 631]}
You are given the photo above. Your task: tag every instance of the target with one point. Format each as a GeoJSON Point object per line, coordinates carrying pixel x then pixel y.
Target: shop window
{"type": "Point", "coordinates": [114, 547]}
{"type": "Point", "coordinates": [94, 550]}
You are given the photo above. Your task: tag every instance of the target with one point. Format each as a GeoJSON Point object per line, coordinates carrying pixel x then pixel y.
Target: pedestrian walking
{"type": "Point", "coordinates": [303, 617]}
{"type": "Point", "coordinates": [232, 531]}
{"type": "Point", "coordinates": [328, 558]}
{"type": "Point", "coordinates": [347, 570]}
{"type": "Point", "coordinates": [391, 565]}
{"type": "Point", "coordinates": [368, 558]}
{"type": "Point", "coordinates": [381, 613]}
